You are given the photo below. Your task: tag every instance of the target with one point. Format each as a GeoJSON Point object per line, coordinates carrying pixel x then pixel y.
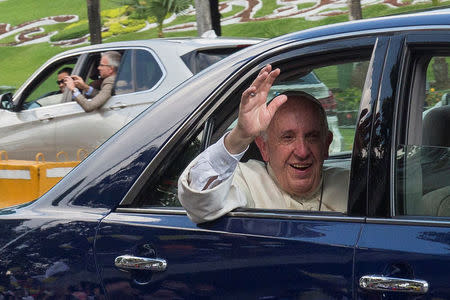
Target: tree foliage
{"type": "Point", "coordinates": [158, 9]}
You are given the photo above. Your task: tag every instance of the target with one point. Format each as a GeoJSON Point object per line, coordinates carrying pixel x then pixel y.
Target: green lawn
{"type": "Point", "coordinates": [18, 63]}
{"type": "Point", "coordinates": [268, 7]}
{"type": "Point", "coordinates": [349, 135]}
{"type": "Point", "coordinates": [16, 12]}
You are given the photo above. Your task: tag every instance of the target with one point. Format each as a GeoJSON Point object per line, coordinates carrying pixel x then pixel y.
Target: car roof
{"type": "Point", "coordinates": [183, 45]}
{"type": "Point", "coordinates": [417, 21]}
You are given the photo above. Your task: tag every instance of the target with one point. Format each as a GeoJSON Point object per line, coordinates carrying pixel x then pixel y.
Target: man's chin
{"type": "Point", "coordinates": [304, 186]}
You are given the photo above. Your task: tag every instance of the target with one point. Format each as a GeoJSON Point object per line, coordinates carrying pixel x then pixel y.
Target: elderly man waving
{"type": "Point", "coordinates": [292, 135]}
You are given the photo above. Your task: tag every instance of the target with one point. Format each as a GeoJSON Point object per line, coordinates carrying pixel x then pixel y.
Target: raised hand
{"type": "Point", "coordinates": [254, 115]}
{"type": "Point", "coordinates": [70, 84]}
{"type": "Point", "coordinates": [79, 83]}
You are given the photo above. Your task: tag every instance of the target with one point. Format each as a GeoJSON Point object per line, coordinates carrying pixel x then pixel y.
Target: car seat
{"type": "Point", "coordinates": [436, 161]}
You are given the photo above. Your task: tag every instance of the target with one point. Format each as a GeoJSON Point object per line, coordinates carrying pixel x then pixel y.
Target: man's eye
{"type": "Point", "coordinates": [313, 138]}
{"type": "Point", "coordinates": [287, 138]}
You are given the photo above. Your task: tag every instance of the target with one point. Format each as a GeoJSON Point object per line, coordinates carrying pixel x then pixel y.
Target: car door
{"type": "Point", "coordinates": [136, 87]}
{"type": "Point", "coordinates": [403, 252]}
{"type": "Point", "coordinates": [141, 81]}
{"type": "Point", "coordinates": [148, 247]}
{"type": "Point", "coordinates": [29, 128]}
{"type": "Point", "coordinates": [77, 133]}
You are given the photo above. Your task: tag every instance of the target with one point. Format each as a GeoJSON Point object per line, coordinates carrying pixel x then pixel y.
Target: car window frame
{"type": "Point", "coordinates": [133, 67]}
{"type": "Point", "coordinates": [434, 43]}
{"type": "Point", "coordinates": [40, 75]}
{"type": "Point", "coordinates": [235, 86]}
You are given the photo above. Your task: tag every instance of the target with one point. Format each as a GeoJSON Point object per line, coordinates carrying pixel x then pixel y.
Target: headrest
{"type": "Point", "coordinates": [435, 127]}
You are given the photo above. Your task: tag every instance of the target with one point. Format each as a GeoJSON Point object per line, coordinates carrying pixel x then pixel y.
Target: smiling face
{"type": "Point", "coordinates": [296, 145]}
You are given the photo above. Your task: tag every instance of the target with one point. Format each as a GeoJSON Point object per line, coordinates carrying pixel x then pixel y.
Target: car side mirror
{"type": "Point", "coordinates": [6, 101]}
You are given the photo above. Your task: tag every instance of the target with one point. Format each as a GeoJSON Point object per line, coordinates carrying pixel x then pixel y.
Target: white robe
{"type": "Point", "coordinates": [252, 185]}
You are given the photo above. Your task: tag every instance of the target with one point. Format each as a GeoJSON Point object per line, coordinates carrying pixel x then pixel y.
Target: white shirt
{"type": "Point", "coordinates": [249, 184]}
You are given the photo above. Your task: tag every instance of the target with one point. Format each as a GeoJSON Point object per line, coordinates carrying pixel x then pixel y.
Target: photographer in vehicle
{"type": "Point", "coordinates": [88, 97]}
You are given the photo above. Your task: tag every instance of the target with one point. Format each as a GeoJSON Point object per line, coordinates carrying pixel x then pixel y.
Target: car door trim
{"type": "Point", "coordinates": [410, 222]}
{"type": "Point", "coordinates": [268, 214]}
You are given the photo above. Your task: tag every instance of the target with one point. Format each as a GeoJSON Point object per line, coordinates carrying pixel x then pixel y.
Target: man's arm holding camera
{"type": "Point", "coordinates": [89, 98]}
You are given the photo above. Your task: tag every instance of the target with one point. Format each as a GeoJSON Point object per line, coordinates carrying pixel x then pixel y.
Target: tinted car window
{"type": "Point", "coordinates": [166, 192]}
{"type": "Point", "coordinates": [148, 72]}
{"type": "Point", "coordinates": [196, 61]}
{"type": "Point", "coordinates": [139, 71]}
{"type": "Point", "coordinates": [423, 165]}
{"type": "Point", "coordinates": [124, 81]}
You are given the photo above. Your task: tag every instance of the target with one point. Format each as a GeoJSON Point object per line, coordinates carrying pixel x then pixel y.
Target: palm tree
{"type": "Point", "coordinates": [158, 9]}
{"type": "Point", "coordinates": [203, 16]}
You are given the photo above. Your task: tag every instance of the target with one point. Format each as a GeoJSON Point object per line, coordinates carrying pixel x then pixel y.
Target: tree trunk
{"type": "Point", "coordinates": [440, 70]}
{"type": "Point", "coordinates": [203, 16]}
{"type": "Point", "coordinates": [215, 16]}
{"type": "Point", "coordinates": [354, 10]}
{"type": "Point", "coordinates": [160, 30]}
{"type": "Point", "coordinates": [95, 26]}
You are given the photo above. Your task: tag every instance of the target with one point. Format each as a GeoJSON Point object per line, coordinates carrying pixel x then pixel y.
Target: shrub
{"type": "Point", "coordinates": [106, 34]}
{"type": "Point", "coordinates": [347, 105]}
{"type": "Point", "coordinates": [72, 31]}
{"type": "Point", "coordinates": [348, 99]}
{"type": "Point", "coordinates": [114, 12]}
{"type": "Point", "coordinates": [433, 97]}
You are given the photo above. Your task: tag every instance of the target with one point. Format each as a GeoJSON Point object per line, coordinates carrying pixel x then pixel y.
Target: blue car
{"type": "Point", "coordinates": [113, 228]}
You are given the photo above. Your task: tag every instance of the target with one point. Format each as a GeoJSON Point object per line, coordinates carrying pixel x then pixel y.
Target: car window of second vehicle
{"type": "Point", "coordinates": [139, 71]}
{"type": "Point", "coordinates": [48, 88]}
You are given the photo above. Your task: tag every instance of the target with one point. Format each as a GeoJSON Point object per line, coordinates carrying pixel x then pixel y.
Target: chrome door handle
{"type": "Point", "coordinates": [140, 263]}
{"type": "Point", "coordinates": [118, 105]}
{"type": "Point", "coordinates": [392, 284]}
{"type": "Point", "coordinates": [46, 117]}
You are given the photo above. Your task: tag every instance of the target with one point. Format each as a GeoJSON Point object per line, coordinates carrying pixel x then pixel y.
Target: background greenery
{"type": "Point", "coordinates": [17, 63]}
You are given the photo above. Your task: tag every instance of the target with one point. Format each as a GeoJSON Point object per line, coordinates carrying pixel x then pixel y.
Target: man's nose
{"type": "Point", "coordinates": [301, 148]}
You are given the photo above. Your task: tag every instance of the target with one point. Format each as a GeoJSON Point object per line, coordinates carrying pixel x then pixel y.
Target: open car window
{"type": "Point", "coordinates": [337, 86]}
{"type": "Point", "coordinates": [44, 90]}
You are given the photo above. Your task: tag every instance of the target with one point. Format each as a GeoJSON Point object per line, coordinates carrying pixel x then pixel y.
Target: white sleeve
{"type": "Point", "coordinates": [215, 161]}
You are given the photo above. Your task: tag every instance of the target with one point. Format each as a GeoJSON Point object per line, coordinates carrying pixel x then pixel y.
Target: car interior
{"type": "Point", "coordinates": [224, 118]}
{"type": "Point", "coordinates": [423, 163]}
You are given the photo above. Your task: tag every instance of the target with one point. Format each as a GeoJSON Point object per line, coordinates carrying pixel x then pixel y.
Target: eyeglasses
{"type": "Point", "coordinates": [60, 81]}
{"type": "Point", "coordinates": [102, 65]}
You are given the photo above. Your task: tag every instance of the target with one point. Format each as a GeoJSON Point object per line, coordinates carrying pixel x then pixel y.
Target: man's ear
{"type": "Point", "coordinates": [262, 146]}
{"type": "Point", "coordinates": [328, 143]}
